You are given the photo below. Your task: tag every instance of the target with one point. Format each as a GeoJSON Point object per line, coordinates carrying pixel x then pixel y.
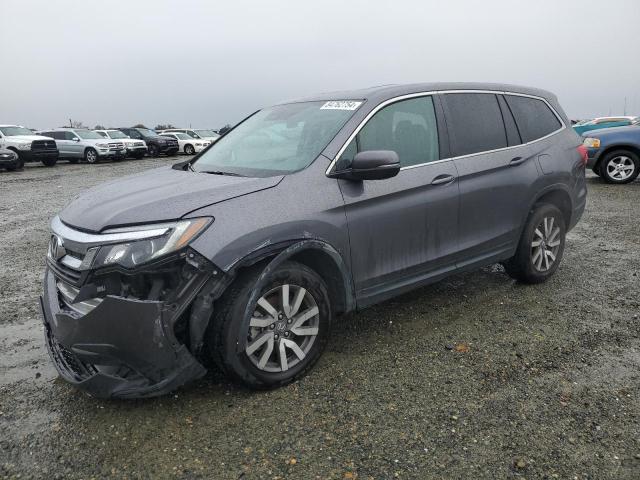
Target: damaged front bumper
{"type": "Point", "coordinates": [126, 347]}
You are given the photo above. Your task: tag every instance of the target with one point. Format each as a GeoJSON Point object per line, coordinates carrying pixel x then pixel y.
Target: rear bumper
{"type": "Point", "coordinates": [123, 348]}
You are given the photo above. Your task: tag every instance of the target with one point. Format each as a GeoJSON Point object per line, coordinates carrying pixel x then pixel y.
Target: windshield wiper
{"type": "Point", "coordinates": [219, 172]}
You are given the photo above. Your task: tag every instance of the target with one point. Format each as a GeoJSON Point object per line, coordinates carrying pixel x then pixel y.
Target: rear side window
{"type": "Point", "coordinates": [408, 127]}
{"type": "Point", "coordinates": [475, 122]}
{"type": "Point", "coordinates": [69, 135]}
{"type": "Point", "coordinates": [534, 117]}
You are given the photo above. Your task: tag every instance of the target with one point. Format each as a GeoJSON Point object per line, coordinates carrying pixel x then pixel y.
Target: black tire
{"type": "Point", "coordinates": [189, 150]}
{"type": "Point", "coordinates": [171, 153]}
{"type": "Point", "coordinates": [138, 156]}
{"type": "Point", "coordinates": [19, 165]}
{"type": "Point", "coordinates": [153, 151]}
{"type": "Point", "coordinates": [73, 160]}
{"type": "Point", "coordinates": [224, 332]}
{"type": "Point", "coordinates": [90, 155]}
{"type": "Point", "coordinates": [608, 170]}
{"type": "Point", "coordinates": [49, 162]}
{"type": "Point", "coordinates": [522, 266]}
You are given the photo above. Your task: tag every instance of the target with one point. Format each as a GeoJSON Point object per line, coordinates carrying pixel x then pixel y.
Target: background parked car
{"type": "Point", "coordinates": [10, 160]}
{"type": "Point", "coordinates": [201, 133]}
{"type": "Point", "coordinates": [28, 146]}
{"type": "Point", "coordinates": [156, 144]}
{"type": "Point", "coordinates": [135, 148]}
{"type": "Point", "coordinates": [76, 144]}
{"type": "Point", "coordinates": [604, 122]}
{"type": "Point", "coordinates": [188, 144]}
{"type": "Point", "coordinates": [614, 153]}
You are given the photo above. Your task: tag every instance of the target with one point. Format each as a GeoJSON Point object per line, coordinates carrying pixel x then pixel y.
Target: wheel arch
{"type": "Point", "coordinates": [618, 146]}
{"type": "Point", "coordinates": [557, 195]}
{"type": "Point", "coordinates": [318, 255]}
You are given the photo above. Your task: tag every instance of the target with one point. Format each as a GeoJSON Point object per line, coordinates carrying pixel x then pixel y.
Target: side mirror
{"type": "Point", "coordinates": [76, 139]}
{"type": "Point", "coordinates": [371, 165]}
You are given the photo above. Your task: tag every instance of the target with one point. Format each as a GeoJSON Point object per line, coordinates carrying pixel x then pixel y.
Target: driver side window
{"type": "Point", "coordinates": [407, 127]}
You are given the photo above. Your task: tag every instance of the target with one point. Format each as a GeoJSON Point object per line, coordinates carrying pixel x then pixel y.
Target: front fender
{"type": "Point", "coordinates": [294, 248]}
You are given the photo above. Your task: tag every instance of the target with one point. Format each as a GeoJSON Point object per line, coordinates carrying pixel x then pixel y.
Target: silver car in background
{"type": "Point", "coordinates": [135, 148]}
{"type": "Point", "coordinates": [76, 144]}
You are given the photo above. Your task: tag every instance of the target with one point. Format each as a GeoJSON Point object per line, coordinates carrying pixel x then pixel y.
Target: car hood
{"type": "Point", "coordinates": [27, 138]}
{"type": "Point", "coordinates": [612, 131]}
{"type": "Point", "coordinates": [154, 196]}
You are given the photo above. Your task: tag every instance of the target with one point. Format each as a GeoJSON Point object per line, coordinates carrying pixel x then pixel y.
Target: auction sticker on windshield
{"type": "Point", "coordinates": [341, 105]}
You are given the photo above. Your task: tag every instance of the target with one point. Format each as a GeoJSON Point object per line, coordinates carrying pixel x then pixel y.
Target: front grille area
{"type": "Point", "coordinates": [66, 273]}
{"type": "Point", "coordinates": [116, 146]}
{"type": "Point", "coordinates": [43, 145]}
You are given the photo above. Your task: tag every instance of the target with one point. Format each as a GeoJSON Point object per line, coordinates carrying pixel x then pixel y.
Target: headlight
{"type": "Point", "coordinates": [102, 145]}
{"type": "Point", "coordinates": [24, 146]}
{"type": "Point", "coordinates": [171, 237]}
{"type": "Point", "coordinates": [591, 142]}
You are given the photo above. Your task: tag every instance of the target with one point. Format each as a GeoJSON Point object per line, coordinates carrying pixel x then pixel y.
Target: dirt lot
{"type": "Point", "coordinates": [473, 377]}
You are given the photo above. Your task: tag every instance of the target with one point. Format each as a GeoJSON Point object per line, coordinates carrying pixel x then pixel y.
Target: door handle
{"type": "Point", "coordinates": [443, 179]}
{"type": "Point", "coordinates": [517, 161]}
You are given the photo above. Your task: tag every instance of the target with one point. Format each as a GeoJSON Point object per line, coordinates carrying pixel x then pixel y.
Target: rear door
{"type": "Point", "coordinates": [402, 230]}
{"type": "Point", "coordinates": [496, 173]}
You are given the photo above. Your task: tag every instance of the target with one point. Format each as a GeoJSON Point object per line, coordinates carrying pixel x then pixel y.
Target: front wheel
{"type": "Point", "coordinates": [153, 151]}
{"type": "Point", "coordinates": [620, 166]}
{"type": "Point", "coordinates": [189, 150]}
{"type": "Point", "coordinates": [90, 155]}
{"type": "Point", "coordinates": [541, 246]}
{"type": "Point", "coordinates": [138, 156]}
{"type": "Point", "coordinates": [284, 327]}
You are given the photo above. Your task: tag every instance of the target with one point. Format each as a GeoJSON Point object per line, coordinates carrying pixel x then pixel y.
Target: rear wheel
{"type": "Point", "coordinates": [283, 331]}
{"type": "Point", "coordinates": [620, 166]}
{"type": "Point", "coordinates": [90, 155]}
{"type": "Point", "coordinates": [541, 246]}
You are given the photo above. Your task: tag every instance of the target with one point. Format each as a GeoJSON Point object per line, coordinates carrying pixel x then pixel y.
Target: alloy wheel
{"type": "Point", "coordinates": [92, 156]}
{"type": "Point", "coordinates": [620, 168]}
{"type": "Point", "coordinates": [283, 328]}
{"type": "Point", "coordinates": [545, 244]}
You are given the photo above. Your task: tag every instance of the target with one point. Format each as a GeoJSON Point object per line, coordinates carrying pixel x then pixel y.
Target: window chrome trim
{"type": "Point", "coordinates": [444, 92]}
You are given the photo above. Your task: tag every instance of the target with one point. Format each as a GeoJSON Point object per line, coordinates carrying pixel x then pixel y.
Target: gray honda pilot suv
{"type": "Point", "coordinates": [245, 255]}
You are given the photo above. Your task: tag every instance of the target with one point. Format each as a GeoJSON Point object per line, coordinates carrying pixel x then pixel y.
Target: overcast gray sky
{"type": "Point", "coordinates": [205, 63]}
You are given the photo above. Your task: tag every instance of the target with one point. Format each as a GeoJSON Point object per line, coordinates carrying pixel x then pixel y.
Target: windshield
{"type": "Point", "coordinates": [147, 133]}
{"type": "Point", "coordinates": [278, 140]}
{"type": "Point", "coordinates": [207, 133]}
{"type": "Point", "coordinates": [10, 131]}
{"type": "Point", "coordinates": [116, 134]}
{"type": "Point", "coordinates": [88, 135]}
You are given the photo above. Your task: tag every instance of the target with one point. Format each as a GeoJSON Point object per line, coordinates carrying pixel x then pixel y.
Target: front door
{"type": "Point", "coordinates": [402, 230]}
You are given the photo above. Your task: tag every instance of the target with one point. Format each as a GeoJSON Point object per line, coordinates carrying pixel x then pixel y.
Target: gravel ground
{"type": "Point", "coordinates": [473, 377]}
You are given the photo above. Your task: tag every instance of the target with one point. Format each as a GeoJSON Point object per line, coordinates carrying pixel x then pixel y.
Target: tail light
{"type": "Point", "coordinates": [582, 150]}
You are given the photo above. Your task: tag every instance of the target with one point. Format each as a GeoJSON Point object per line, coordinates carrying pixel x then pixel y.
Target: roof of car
{"type": "Point", "coordinates": [384, 92]}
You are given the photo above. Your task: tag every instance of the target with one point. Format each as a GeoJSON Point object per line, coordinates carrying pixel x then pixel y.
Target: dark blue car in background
{"type": "Point", "coordinates": [614, 153]}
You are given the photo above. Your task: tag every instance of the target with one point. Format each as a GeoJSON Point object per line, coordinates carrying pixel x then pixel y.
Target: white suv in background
{"type": "Point", "coordinates": [188, 145]}
{"type": "Point", "coordinates": [135, 148]}
{"type": "Point", "coordinates": [200, 133]}
{"type": "Point", "coordinates": [29, 146]}
{"type": "Point", "coordinates": [76, 144]}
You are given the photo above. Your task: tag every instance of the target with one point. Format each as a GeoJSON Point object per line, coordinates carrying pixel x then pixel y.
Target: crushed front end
{"type": "Point", "coordinates": [124, 313]}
